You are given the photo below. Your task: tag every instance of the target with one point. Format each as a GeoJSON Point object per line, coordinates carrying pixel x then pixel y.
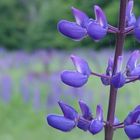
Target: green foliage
{"type": "Point", "coordinates": [31, 24]}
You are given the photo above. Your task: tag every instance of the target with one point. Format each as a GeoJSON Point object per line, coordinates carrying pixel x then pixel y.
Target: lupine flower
{"type": "Point", "coordinates": [71, 119]}
{"type": "Point", "coordinates": [132, 68]}
{"type": "Point", "coordinates": [118, 80]}
{"type": "Point", "coordinates": [137, 29]}
{"type": "Point", "coordinates": [75, 30]}
{"type": "Point", "coordinates": [130, 17]}
{"type": "Point", "coordinates": [6, 88]}
{"type": "Point", "coordinates": [64, 123]}
{"type": "Point", "coordinates": [132, 124]}
{"type": "Point", "coordinates": [87, 122]}
{"type": "Point", "coordinates": [109, 70]}
{"type": "Point", "coordinates": [96, 29]}
{"type": "Point", "coordinates": [79, 77]}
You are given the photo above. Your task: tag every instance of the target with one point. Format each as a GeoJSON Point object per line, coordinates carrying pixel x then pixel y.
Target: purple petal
{"type": "Point", "coordinates": [135, 116]}
{"type": "Point", "coordinates": [86, 112]}
{"type": "Point", "coordinates": [132, 116]}
{"type": "Point", "coordinates": [95, 31]}
{"type": "Point", "coordinates": [119, 64]}
{"type": "Point", "coordinates": [118, 80]}
{"type": "Point", "coordinates": [105, 81]}
{"type": "Point", "coordinates": [71, 30]}
{"type": "Point", "coordinates": [110, 66]}
{"type": "Point", "coordinates": [130, 17]}
{"type": "Point", "coordinates": [83, 124]}
{"type": "Point", "coordinates": [135, 72]}
{"type": "Point", "coordinates": [133, 131]}
{"type": "Point", "coordinates": [116, 121]}
{"type": "Point", "coordinates": [74, 79]}
{"type": "Point", "coordinates": [137, 29]}
{"type": "Point", "coordinates": [95, 127]}
{"type": "Point", "coordinates": [137, 108]}
{"type": "Point", "coordinates": [81, 18]}
{"type": "Point", "coordinates": [132, 61]}
{"type": "Point", "coordinates": [100, 17]}
{"type": "Point", "coordinates": [128, 119]}
{"type": "Point", "coordinates": [60, 122]}
{"type": "Point", "coordinates": [68, 111]}
{"type": "Point", "coordinates": [99, 113]}
{"type": "Point", "coordinates": [81, 65]}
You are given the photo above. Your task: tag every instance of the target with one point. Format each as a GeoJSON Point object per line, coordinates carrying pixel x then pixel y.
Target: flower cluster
{"type": "Point", "coordinates": [97, 28]}
{"type": "Point", "coordinates": [71, 119]}
{"type": "Point", "coordinates": [85, 26]}
{"type": "Point", "coordinates": [80, 77]}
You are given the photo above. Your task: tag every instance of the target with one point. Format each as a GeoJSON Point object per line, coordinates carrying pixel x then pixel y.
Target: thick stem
{"type": "Point", "coordinates": [118, 51]}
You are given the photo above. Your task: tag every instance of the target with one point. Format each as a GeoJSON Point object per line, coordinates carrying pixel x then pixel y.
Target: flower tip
{"type": "Point", "coordinates": [96, 7]}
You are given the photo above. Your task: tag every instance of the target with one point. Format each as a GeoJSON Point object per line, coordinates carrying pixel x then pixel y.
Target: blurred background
{"type": "Point", "coordinates": [32, 55]}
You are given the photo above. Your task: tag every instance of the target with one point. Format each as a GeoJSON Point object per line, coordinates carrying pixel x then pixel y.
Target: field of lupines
{"type": "Point", "coordinates": [30, 87]}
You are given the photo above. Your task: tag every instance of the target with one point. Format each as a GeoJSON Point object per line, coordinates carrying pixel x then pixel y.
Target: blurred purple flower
{"type": "Point", "coordinates": [25, 91]}
{"type": "Point", "coordinates": [6, 88]}
{"type": "Point", "coordinates": [132, 124]}
{"type": "Point", "coordinates": [76, 78]}
{"type": "Point", "coordinates": [36, 99]}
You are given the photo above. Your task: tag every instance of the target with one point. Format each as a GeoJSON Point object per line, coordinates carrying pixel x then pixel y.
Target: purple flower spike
{"type": "Point", "coordinates": [95, 127]}
{"type": "Point", "coordinates": [118, 80]}
{"type": "Point", "coordinates": [137, 29]}
{"type": "Point", "coordinates": [130, 17]}
{"type": "Point", "coordinates": [71, 30]}
{"type": "Point", "coordinates": [60, 123]}
{"type": "Point", "coordinates": [97, 29]}
{"type": "Point", "coordinates": [68, 111]}
{"type": "Point", "coordinates": [81, 65]}
{"type": "Point", "coordinates": [86, 112]}
{"type": "Point", "coordinates": [81, 18]}
{"type": "Point", "coordinates": [132, 124]}
{"type": "Point", "coordinates": [83, 124]}
{"type": "Point", "coordinates": [74, 79]}
{"type": "Point", "coordinates": [99, 113]}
